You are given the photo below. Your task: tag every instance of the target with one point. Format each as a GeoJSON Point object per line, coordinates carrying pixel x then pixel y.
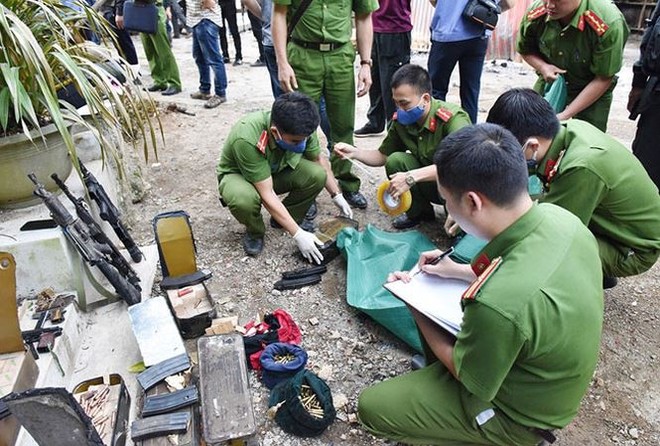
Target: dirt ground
{"type": "Point", "coordinates": [352, 352]}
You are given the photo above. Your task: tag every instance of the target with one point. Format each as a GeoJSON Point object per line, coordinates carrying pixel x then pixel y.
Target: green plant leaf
{"type": "Point", "coordinates": [4, 108]}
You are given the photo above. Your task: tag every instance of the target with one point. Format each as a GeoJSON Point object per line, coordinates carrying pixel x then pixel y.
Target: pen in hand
{"type": "Point", "coordinates": [435, 261]}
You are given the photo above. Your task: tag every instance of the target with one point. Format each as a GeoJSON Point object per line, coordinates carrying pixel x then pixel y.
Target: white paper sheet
{"type": "Point", "coordinates": [437, 298]}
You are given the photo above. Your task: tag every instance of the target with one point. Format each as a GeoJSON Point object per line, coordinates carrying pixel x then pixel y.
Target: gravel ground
{"type": "Point", "coordinates": [345, 347]}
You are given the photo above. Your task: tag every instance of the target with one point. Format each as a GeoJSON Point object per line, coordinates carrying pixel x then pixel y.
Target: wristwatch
{"type": "Point", "coordinates": [367, 62]}
{"type": "Point", "coordinates": [410, 180]}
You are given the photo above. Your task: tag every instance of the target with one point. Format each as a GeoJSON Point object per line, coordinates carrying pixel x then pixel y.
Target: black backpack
{"type": "Point", "coordinates": [651, 45]}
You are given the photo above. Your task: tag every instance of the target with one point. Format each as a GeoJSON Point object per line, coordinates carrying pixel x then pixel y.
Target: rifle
{"type": "Point", "coordinates": [109, 212]}
{"type": "Point", "coordinates": [93, 252]}
{"type": "Point", "coordinates": [117, 260]}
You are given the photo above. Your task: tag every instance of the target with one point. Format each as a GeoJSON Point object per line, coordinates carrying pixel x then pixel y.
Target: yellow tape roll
{"type": "Point", "coordinates": [390, 205]}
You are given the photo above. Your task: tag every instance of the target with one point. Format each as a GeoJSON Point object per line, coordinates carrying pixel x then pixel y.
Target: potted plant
{"type": "Point", "coordinates": [43, 52]}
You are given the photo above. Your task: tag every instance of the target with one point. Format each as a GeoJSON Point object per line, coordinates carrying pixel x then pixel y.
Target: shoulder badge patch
{"type": "Point", "coordinates": [444, 114]}
{"type": "Point", "coordinates": [472, 290]}
{"type": "Point", "coordinates": [595, 22]}
{"type": "Point", "coordinates": [263, 142]}
{"type": "Point", "coordinates": [536, 13]}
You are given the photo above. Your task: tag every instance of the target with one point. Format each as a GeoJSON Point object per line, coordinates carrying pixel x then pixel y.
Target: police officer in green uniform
{"type": "Point", "coordinates": [584, 41]}
{"type": "Point", "coordinates": [162, 64]}
{"type": "Point", "coordinates": [593, 176]}
{"type": "Point", "coordinates": [318, 60]}
{"type": "Point", "coordinates": [271, 153]}
{"type": "Point", "coordinates": [529, 340]}
{"type": "Point", "coordinates": [418, 126]}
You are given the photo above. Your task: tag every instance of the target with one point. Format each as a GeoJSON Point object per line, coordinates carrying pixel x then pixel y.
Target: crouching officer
{"type": "Point", "coordinates": [418, 126]}
{"type": "Point", "coordinates": [271, 153]}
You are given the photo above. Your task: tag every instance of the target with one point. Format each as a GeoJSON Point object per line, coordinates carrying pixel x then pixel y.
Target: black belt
{"type": "Point", "coordinates": [318, 46]}
{"type": "Point", "coordinates": [547, 435]}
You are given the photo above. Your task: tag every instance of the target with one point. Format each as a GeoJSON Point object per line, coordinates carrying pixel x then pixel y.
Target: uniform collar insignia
{"type": "Point", "coordinates": [482, 276]}
{"type": "Point", "coordinates": [552, 167]}
{"type": "Point", "coordinates": [433, 124]}
{"type": "Point", "coordinates": [263, 142]}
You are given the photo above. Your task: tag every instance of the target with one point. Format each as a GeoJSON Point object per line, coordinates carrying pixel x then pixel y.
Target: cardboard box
{"type": "Point", "coordinates": [18, 372]}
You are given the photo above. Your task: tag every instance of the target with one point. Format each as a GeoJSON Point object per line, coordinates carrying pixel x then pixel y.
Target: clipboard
{"type": "Point", "coordinates": [437, 298]}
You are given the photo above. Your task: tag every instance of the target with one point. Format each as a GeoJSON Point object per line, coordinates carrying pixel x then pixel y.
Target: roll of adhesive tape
{"type": "Point", "coordinates": [390, 205]}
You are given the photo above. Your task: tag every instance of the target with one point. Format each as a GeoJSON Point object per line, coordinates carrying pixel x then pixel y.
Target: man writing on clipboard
{"type": "Point", "coordinates": [529, 340]}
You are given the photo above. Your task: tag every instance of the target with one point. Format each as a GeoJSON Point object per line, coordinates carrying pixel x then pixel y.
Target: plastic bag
{"type": "Point", "coordinates": [556, 93]}
{"type": "Point", "coordinates": [371, 255]}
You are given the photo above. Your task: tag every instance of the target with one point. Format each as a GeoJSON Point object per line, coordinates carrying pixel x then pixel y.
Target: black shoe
{"type": "Point", "coordinates": [368, 130]}
{"type": "Point", "coordinates": [355, 199]}
{"type": "Point", "coordinates": [170, 91]}
{"type": "Point", "coordinates": [238, 61]}
{"type": "Point", "coordinates": [155, 87]}
{"type": "Point", "coordinates": [252, 244]}
{"type": "Point", "coordinates": [417, 362]}
{"type": "Point", "coordinates": [258, 63]}
{"type": "Point", "coordinates": [305, 225]}
{"type": "Point", "coordinates": [312, 212]}
{"type": "Point", "coordinates": [403, 221]}
{"type": "Point", "coordinates": [609, 282]}
{"type": "Point", "coordinates": [308, 225]}
{"type": "Point", "coordinates": [225, 59]}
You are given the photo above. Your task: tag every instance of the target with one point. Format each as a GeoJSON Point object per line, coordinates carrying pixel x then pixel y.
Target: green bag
{"type": "Point", "coordinates": [371, 255]}
{"type": "Point", "coordinates": [556, 93]}
{"type": "Point", "coordinates": [466, 248]}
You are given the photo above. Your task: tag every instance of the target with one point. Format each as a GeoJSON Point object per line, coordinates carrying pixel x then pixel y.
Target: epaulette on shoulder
{"type": "Point", "coordinates": [444, 114]}
{"type": "Point", "coordinates": [472, 290]}
{"type": "Point", "coordinates": [595, 22]}
{"type": "Point", "coordinates": [263, 141]}
{"type": "Point", "coordinates": [537, 12]}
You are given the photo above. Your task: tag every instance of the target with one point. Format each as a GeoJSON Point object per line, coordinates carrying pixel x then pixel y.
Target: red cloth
{"type": "Point", "coordinates": [288, 332]}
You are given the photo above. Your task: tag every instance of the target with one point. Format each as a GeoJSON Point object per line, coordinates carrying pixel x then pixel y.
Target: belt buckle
{"type": "Point", "coordinates": [324, 46]}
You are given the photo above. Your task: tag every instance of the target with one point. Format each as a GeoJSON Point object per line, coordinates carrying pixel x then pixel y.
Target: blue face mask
{"type": "Point", "coordinates": [532, 163]}
{"type": "Point", "coordinates": [407, 117]}
{"type": "Point", "coordinates": [295, 148]}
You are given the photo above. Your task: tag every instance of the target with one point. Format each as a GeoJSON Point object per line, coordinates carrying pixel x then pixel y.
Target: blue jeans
{"type": "Point", "coordinates": [271, 64]}
{"type": "Point", "coordinates": [470, 55]}
{"type": "Point", "coordinates": [207, 56]}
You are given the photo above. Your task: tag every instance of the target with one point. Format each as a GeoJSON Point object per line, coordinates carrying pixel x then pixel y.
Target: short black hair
{"type": "Point", "coordinates": [525, 113]}
{"type": "Point", "coordinates": [484, 158]}
{"type": "Point", "coordinates": [412, 75]}
{"type": "Point", "coordinates": [295, 113]}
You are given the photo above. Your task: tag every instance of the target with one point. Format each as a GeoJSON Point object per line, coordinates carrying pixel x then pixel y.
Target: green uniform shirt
{"type": "Point", "coordinates": [530, 336]}
{"type": "Point", "coordinates": [602, 182]}
{"type": "Point", "coordinates": [326, 20]}
{"type": "Point", "coordinates": [242, 154]}
{"type": "Point", "coordinates": [578, 48]}
{"type": "Point", "coordinates": [423, 141]}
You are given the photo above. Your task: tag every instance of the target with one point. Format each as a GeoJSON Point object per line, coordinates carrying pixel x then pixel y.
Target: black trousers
{"type": "Point", "coordinates": [645, 146]}
{"type": "Point", "coordinates": [255, 24]}
{"type": "Point", "coordinates": [228, 9]}
{"type": "Point", "coordinates": [126, 47]}
{"type": "Point", "coordinates": [388, 53]}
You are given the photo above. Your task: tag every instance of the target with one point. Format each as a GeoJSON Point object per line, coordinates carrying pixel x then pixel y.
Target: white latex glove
{"type": "Point", "coordinates": [307, 242]}
{"type": "Point", "coordinates": [343, 206]}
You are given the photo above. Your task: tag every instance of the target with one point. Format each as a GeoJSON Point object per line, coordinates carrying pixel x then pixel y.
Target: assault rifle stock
{"type": "Point", "coordinates": [109, 212]}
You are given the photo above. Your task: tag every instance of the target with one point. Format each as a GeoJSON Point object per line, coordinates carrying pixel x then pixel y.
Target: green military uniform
{"type": "Point", "coordinates": [251, 155]}
{"type": "Point", "coordinates": [409, 147]}
{"type": "Point", "coordinates": [526, 351]}
{"type": "Point", "coordinates": [328, 71]}
{"type": "Point", "coordinates": [162, 64]}
{"type": "Point", "coordinates": [590, 45]}
{"type": "Point", "coordinates": [599, 180]}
